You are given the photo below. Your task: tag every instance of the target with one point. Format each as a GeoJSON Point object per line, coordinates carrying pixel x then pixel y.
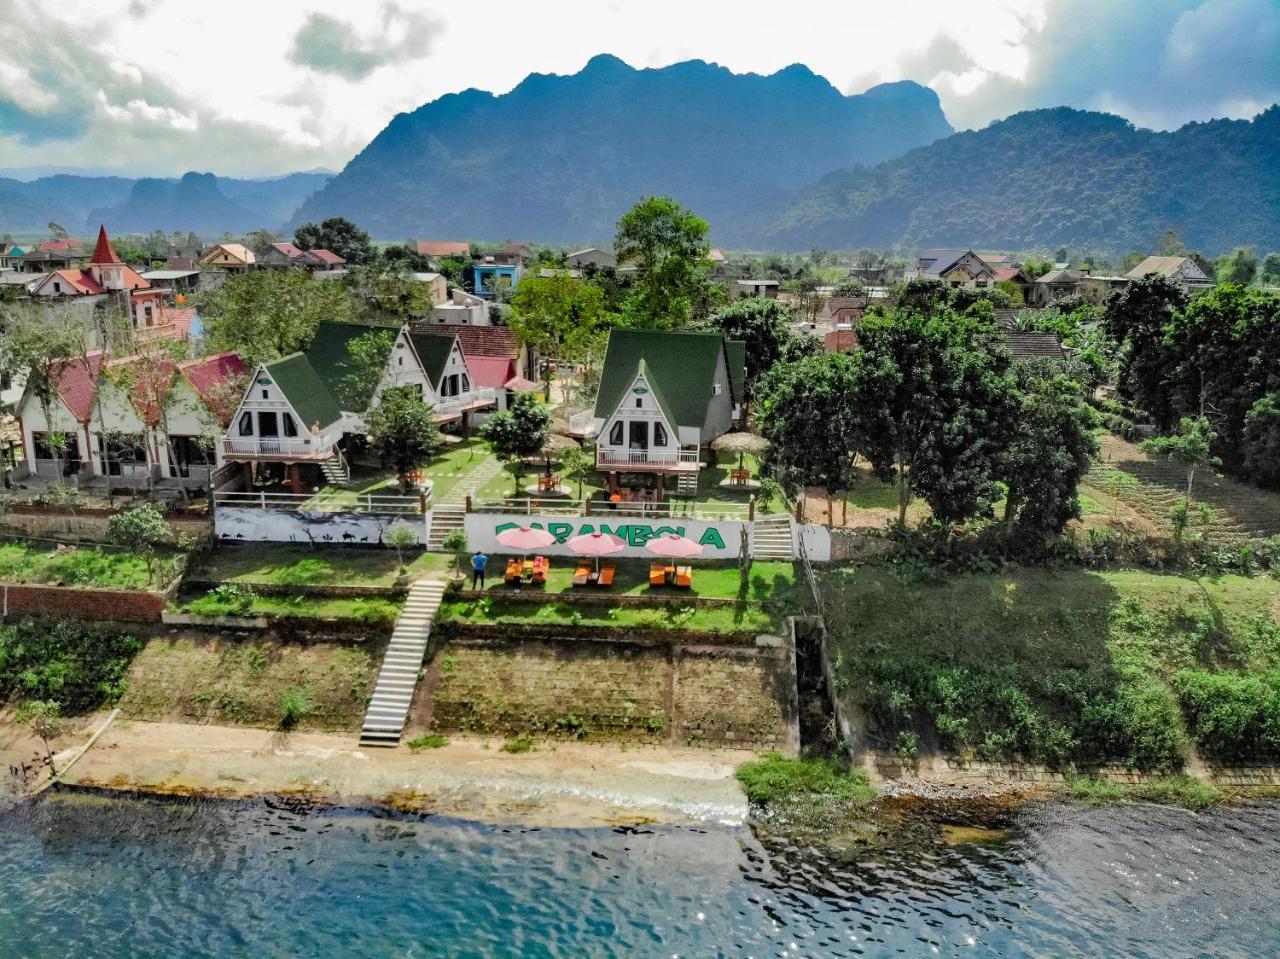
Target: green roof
{"type": "Point", "coordinates": [735, 352]}
{"type": "Point", "coordinates": [330, 356]}
{"type": "Point", "coordinates": [433, 352]}
{"type": "Point", "coordinates": [680, 368]}
{"type": "Point", "coordinates": [304, 389]}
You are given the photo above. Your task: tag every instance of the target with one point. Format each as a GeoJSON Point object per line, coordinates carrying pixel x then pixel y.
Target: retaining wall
{"type": "Point", "coordinates": [99, 605]}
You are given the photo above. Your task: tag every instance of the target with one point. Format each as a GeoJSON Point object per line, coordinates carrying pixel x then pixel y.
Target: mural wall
{"type": "Point", "coordinates": [720, 539]}
{"type": "Point", "coordinates": [239, 524]}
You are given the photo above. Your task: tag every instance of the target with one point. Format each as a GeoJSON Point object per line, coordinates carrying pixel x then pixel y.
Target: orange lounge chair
{"type": "Point", "coordinates": [657, 575]}
{"type": "Point", "coordinates": [684, 577]}
{"type": "Point", "coordinates": [513, 572]}
{"type": "Point", "coordinates": [581, 574]}
{"type": "Point", "coordinates": [540, 566]}
{"type": "Point", "coordinates": [606, 575]}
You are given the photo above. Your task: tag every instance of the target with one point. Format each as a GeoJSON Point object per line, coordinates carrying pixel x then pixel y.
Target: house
{"type": "Point", "coordinates": [233, 257]}
{"type": "Point", "coordinates": [764, 288]}
{"type": "Point", "coordinates": [490, 278]}
{"type": "Point", "coordinates": [159, 422]}
{"type": "Point", "coordinates": [439, 249]}
{"type": "Point", "coordinates": [871, 275]}
{"type": "Point", "coordinates": [1014, 275]}
{"type": "Point", "coordinates": [461, 309]}
{"type": "Point", "coordinates": [592, 256]}
{"type": "Point", "coordinates": [513, 254]}
{"type": "Point", "coordinates": [1096, 287]}
{"type": "Point", "coordinates": [1053, 286]}
{"type": "Point", "coordinates": [107, 277]}
{"type": "Point", "coordinates": [181, 282]}
{"type": "Point", "coordinates": [955, 268]}
{"type": "Point", "coordinates": [39, 261]}
{"type": "Point", "coordinates": [1034, 346]}
{"type": "Point", "coordinates": [286, 255]}
{"type": "Point", "coordinates": [840, 340]}
{"type": "Point", "coordinates": [434, 365]}
{"type": "Point", "coordinates": [9, 255]}
{"type": "Point", "coordinates": [716, 256]}
{"type": "Point", "coordinates": [663, 397]}
{"type": "Point", "coordinates": [438, 285]}
{"type": "Point", "coordinates": [1183, 271]}
{"type": "Point", "coordinates": [496, 359]}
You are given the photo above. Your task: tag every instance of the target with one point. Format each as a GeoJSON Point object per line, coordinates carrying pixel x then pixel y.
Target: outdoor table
{"type": "Point", "coordinates": [548, 484]}
{"type": "Point", "coordinates": [739, 477]}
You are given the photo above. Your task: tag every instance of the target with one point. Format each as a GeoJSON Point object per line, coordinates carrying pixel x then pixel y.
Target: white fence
{"type": "Point", "coordinates": [313, 448]}
{"type": "Point", "coordinates": [672, 509]}
{"type": "Point", "coordinates": [627, 459]}
{"type": "Point", "coordinates": [323, 502]}
{"type": "Point", "coordinates": [484, 396]}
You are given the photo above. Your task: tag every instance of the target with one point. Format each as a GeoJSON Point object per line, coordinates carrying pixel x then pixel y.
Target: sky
{"type": "Point", "coordinates": [158, 87]}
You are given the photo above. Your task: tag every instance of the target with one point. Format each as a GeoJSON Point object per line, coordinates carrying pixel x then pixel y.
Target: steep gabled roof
{"type": "Point", "coordinates": [735, 354]}
{"type": "Point", "coordinates": [433, 353]}
{"type": "Point", "coordinates": [208, 375]}
{"type": "Point", "coordinates": [76, 383]}
{"type": "Point", "coordinates": [330, 356]}
{"type": "Point", "coordinates": [1166, 266]}
{"type": "Point", "coordinates": [103, 252]}
{"type": "Point", "coordinates": [682, 367]}
{"type": "Point", "coordinates": [937, 262]}
{"type": "Point", "coordinates": [80, 282]}
{"type": "Point", "coordinates": [306, 392]}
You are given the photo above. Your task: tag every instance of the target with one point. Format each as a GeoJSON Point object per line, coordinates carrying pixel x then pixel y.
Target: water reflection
{"type": "Point", "coordinates": [85, 874]}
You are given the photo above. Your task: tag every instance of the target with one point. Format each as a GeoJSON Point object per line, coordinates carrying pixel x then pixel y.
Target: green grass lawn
{"type": "Point", "coordinates": [22, 561]}
{"type": "Point", "coordinates": [450, 471]}
{"type": "Point", "coordinates": [740, 617]}
{"type": "Point", "coordinates": [770, 582]}
{"type": "Point", "coordinates": [278, 564]}
{"type": "Point", "coordinates": [373, 610]}
{"type": "Point", "coordinates": [1063, 667]}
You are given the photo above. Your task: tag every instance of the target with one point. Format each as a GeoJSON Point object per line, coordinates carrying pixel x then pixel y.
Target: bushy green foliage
{"type": "Point", "coordinates": [404, 431]}
{"type": "Point", "coordinates": [429, 741]}
{"type": "Point", "coordinates": [337, 235]}
{"type": "Point", "coordinates": [667, 245]}
{"type": "Point", "coordinates": [78, 665]}
{"type": "Point", "coordinates": [776, 780]}
{"type": "Point", "coordinates": [140, 529]}
{"type": "Point", "coordinates": [266, 314]}
{"type": "Point", "coordinates": [763, 324]}
{"type": "Point", "coordinates": [1184, 791]}
{"type": "Point", "coordinates": [521, 430]}
{"type": "Point", "coordinates": [520, 744]}
{"type": "Point", "coordinates": [1232, 716]}
{"type": "Point", "coordinates": [295, 706]}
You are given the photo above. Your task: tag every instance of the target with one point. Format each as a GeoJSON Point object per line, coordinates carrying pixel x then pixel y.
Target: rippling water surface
{"type": "Point", "coordinates": [85, 875]}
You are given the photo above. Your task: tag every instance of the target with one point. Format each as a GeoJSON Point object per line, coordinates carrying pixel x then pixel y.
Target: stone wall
{"type": "Point", "coordinates": [613, 690]}
{"type": "Point", "coordinates": [101, 605]}
{"type": "Point", "coordinates": [83, 525]}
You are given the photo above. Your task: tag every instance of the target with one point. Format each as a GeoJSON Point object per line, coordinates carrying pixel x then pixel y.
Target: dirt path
{"type": "Point", "coordinates": [565, 784]}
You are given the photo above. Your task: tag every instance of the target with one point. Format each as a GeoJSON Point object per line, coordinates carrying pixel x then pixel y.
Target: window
{"type": "Point", "coordinates": [57, 287]}
{"type": "Point", "coordinates": [399, 361]}
{"type": "Point", "coordinates": [266, 395]}
{"type": "Point", "coordinates": [659, 435]}
{"type": "Point", "coordinates": [290, 427]}
{"type": "Point", "coordinates": [615, 434]}
{"type": "Point", "coordinates": [717, 389]}
{"type": "Point", "coordinates": [246, 424]}
{"type": "Point", "coordinates": [639, 403]}
{"type": "Point", "coordinates": [466, 384]}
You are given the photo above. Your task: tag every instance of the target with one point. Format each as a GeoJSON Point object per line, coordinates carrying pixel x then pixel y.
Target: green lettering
{"type": "Point", "coordinates": [711, 538]}
{"type": "Point", "coordinates": [503, 527]}
{"type": "Point", "coordinates": [560, 531]}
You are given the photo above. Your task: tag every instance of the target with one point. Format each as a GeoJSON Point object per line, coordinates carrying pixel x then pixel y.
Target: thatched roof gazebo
{"type": "Point", "coordinates": [741, 443]}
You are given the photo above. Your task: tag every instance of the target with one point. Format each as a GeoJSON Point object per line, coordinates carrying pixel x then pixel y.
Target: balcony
{"type": "Point", "coordinates": [453, 407]}
{"type": "Point", "coordinates": [647, 461]}
{"type": "Point", "coordinates": [583, 424]}
{"type": "Point", "coordinates": [282, 449]}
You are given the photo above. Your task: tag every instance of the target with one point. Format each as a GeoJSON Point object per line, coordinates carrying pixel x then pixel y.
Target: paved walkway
{"type": "Point", "coordinates": [474, 479]}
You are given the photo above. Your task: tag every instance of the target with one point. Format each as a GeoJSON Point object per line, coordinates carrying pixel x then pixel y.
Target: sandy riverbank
{"type": "Point", "coordinates": [556, 785]}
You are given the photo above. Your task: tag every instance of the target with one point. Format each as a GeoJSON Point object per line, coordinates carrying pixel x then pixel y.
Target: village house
{"type": "Point", "coordinates": [1183, 271]}
{"type": "Point", "coordinates": [437, 285]}
{"type": "Point", "coordinates": [461, 309]}
{"type": "Point", "coordinates": [40, 261]}
{"type": "Point", "coordinates": [433, 364]}
{"type": "Point", "coordinates": [663, 398]}
{"type": "Point", "coordinates": [1014, 275]}
{"type": "Point", "coordinates": [592, 256]}
{"type": "Point", "coordinates": [232, 257]}
{"type": "Point", "coordinates": [763, 288]}
{"type": "Point", "coordinates": [287, 256]}
{"type": "Point", "coordinates": [9, 255]}
{"type": "Point", "coordinates": [439, 249]}
{"type": "Point", "coordinates": [491, 278]}
{"type": "Point", "coordinates": [1057, 284]}
{"type": "Point", "coordinates": [955, 268]}
{"type": "Point", "coordinates": [496, 358]}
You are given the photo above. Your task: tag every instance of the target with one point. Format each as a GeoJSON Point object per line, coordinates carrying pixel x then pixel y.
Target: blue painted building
{"type": "Point", "coordinates": [489, 278]}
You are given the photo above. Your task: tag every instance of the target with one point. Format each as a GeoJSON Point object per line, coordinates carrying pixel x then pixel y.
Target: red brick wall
{"type": "Point", "coordinates": [104, 605]}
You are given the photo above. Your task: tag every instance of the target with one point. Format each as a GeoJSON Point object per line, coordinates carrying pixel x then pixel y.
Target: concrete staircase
{"type": "Point", "coordinates": [774, 538]}
{"type": "Point", "coordinates": [335, 469]}
{"type": "Point", "coordinates": [687, 484]}
{"type": "Point", "coordinates": [393, 693]}
{"type": "Point", "coordinates": [444, 520]}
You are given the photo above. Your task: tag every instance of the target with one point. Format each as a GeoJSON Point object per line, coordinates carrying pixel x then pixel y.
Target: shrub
{"type": "Point", "coordinates": [1231, 716]}
{"type": "Point", "coordinates": [521, 744]}
{"type": "Point", "coordinates": [295, 706]}
{"type": "Point", "coordinates": [571, 725]}
{"type": "Point", "coordinates": [431, 741]}
{"type": "Point", "coordinates": [776, 780]}
{"type": "Point", "coordinates": [78, 665]}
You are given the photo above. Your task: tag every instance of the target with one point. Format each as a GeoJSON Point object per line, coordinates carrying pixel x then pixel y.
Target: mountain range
{"type": "Point", "coordinates": [779, 162]}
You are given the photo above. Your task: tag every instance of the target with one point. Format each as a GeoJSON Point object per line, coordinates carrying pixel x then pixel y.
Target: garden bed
{"type": "Point", "coordinates": [229, 600]}
{"type": "Point", "coordinates": [744, 620]}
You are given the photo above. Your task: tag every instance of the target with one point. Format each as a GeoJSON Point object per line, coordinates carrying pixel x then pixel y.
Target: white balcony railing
{"type": "Point", "coordinates": [674, 460]}
{"type": "Point", "coordinates": [472, 399]}
{"type": "Point", "coordinates": [282, 447]}
{"type": "Point", "coordinates": [583, 424]}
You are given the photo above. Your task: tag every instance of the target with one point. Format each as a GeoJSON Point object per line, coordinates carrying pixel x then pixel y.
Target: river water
{"type": "Point", "coordinates": [87, 875]}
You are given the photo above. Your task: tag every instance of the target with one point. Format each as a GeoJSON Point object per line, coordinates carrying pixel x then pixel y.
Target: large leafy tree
{"type": "Point", "coordinates": [1046, 455]}
{"type": "Point", "coordinates": [1262, 441]}
{"type": "Point", "coordinates": [937, 400]}
{"type": "Point", "coordinates": [667, 245]}
{"type": "Point", "coordinates": [763, 324]}
{"type": "Point", "coordinates": [403, 430]}
{"type": "Point", "coordinates": [558, 314]}
{"type": "Point", "coordinates": [1138, 317]}
{"type": "Point", "coordinates": [809, 412]}
{"type": "Point", "coordinates": [337, 235]}
{"type": "Point", "coordinates": [267, 314]}
{"type": "Point", "coordinates": [519, 431]}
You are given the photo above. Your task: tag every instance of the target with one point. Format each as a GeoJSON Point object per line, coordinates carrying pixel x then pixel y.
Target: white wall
{"type": "Point", "coordinates": [721, 539]}
{"type": "Point", "coordinates": [323, 529]}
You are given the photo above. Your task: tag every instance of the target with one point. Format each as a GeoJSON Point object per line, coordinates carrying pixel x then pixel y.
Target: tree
{"type": "Point", "coordinates": [1271, 269]}
{"type": "Point", "coordinates": [402, 428]}
{"type": "Point", "coordinates": [400, 539]}
{"type": "Point", "coordinates": [521, 430]}
{"type": "Point", "coordinates": [1169, 243]}
{"type": "Point", "coordinates": [938, 400]}
{"type": "Point", "coordinates": [1191, 446]}
{"type": "Point", "coordinates": [1137, 318]}
{"type": "Point", "coordinates": [577, 463]}
{"type": "Point", "coordinates": [147, 379]}
{"type": "Point", "coordinates": [667, 245]}
{"type": "Point", "coordinates": [259, 241]}
{"type": "Point", "coordinates": [763, 324]}
{"type": "Point", "coordinates": [1046, 456]}
{"type": "Point", "coordinates": [1262, 441]}
{"type": "Point", "coordinates": [337, 235]}
{"type": "Point", "coordinates": [361, 369]}
{"type": "Point", "coordinates": [140, 529]}
{"type": "Point", "coordinates": [456, 543]}
{"type": "Point", "coordinates": [44, 716]}
{"type": "Point", "coordinates": [266, 314]}
{"type": "Point", "coordinates": [558, 315]}
{"type": "Point", "coordinates": [1240, 266]}
{"type": "Point", "coordinates": [809, 413]}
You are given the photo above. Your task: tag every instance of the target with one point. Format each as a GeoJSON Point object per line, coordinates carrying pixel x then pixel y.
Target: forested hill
{"type": "Point", "coordinates": [1055, 177]}
{"type": "Point", "coordinates": [559, 158]}
{"type": "Point", "coordinates": [199, 202]}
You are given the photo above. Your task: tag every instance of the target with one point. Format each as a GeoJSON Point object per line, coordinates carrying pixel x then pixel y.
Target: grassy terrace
{"type": "Point", "coordinates": [279, 564]}
{"type": "Point", "coordinates": [222, 601]}
{"type": "Point", "coordinates": [24, 561]}
{"type": "Point", "coordinates": [1062, 667]}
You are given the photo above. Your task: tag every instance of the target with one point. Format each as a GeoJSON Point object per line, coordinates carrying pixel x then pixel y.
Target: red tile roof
{"type": "Point", "coordinates": [443, 248]}
{"type": "Point", "coordinates": [76, 383]}
{"type": "Point", "coordinates": [155, 377]}
{"type": "Point", "coordinates": [58, 246]}
{"type": "Point", "coordinates": [289, 250]}
{"type": "Point", "coordinates": [215, 380]}
{"type": "Point", "coordinates": [481, 340]}
{"type": "Point", "coordinates": [103, 252]}
{"type": "Point", "coordinates": [493, 371]}
{"type": "Point", "coordinates": [328, 257]}
{"type": "Point", "coordinates": [81, 282]}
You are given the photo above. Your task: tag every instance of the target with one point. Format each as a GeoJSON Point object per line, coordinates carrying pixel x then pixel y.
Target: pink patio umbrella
{"type": "Point", "coordinates": [597, 545]}
{"type": "Point", "coordinates": [673, 546]}
{"type": "Point", "coordinates": [524, 538]}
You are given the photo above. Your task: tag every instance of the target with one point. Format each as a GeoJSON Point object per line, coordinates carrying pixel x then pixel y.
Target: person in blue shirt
{"type": "Point", "coordinates": [478, 562]}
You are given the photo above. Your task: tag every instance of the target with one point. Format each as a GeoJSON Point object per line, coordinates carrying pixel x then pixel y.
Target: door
{"type": "Point", "coordinates": [268, 432]}
{"type": "Point", "coordinates": [638, 440]}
